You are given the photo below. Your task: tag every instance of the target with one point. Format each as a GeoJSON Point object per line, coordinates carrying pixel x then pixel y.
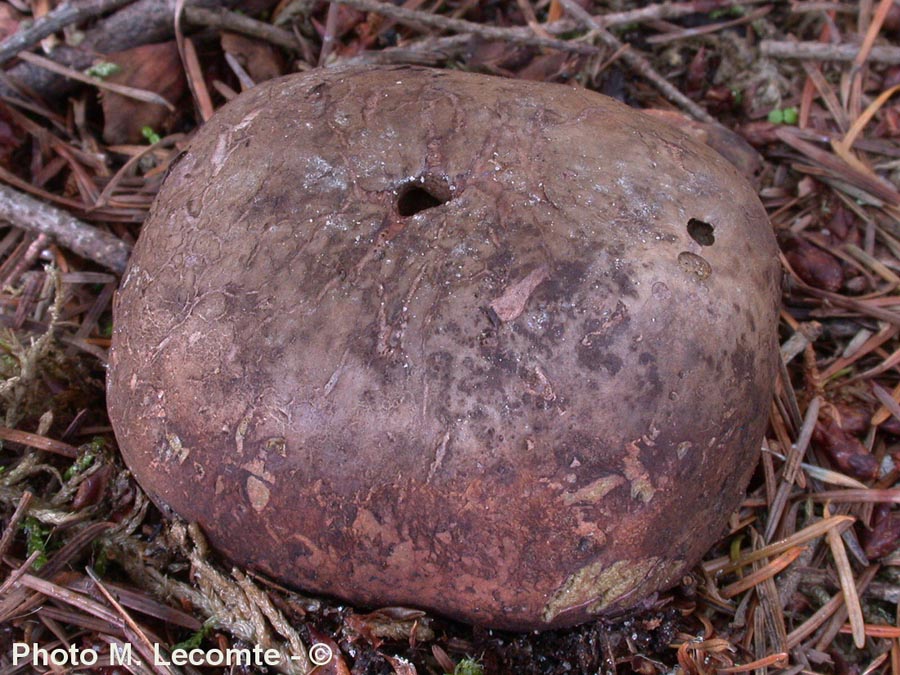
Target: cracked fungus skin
{"type": "Point", "coordinates": [497, 349]}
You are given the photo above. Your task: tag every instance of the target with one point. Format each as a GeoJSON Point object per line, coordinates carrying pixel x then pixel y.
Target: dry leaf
{"type": "Point", "coordinates": [816, 267]}
{"type": "Point", "coordinates": [847, 452]}
{"type": "Point", "coordinates": [332, 666]}
{"type": "Point", "coordinates": [549, 67]}
{"type": "Point", "coordinates": [92, 489]}
{"type": "Point", "coordinates": [391, 623]}
{"type": "Point", "coordinates": [852, 419]}
{"type": "Point", "coordinates": [154, 67]}
{"type": "Point", "coordinates": [884, 537]}
{"type": "Point", "coordinates": [498, 56]}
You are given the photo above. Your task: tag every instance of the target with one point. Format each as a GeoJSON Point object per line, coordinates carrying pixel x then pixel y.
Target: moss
{"type": "Point", "coordinates": [36, 539]}
{"type": "Point", "coordinates": [468, 667]}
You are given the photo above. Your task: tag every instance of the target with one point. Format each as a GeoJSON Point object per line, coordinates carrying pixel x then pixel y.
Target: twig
{"type": "Point", "coordinates": [22, 569]}
{"type": "Point", "coordinates": [865, 308]}
{"type": "Point", "coordinates": [242, 75]}
{"type": "Point", "coordinates": [779, 660]}
{"type": "Point", "coordinates": [792, 467]}
{"type": "Point", "coordinates": [11, 527]}
{"type": "Point", "coordinates": [146, 21]}
{"type": "Point", "coordinates": [638, 63]}
{"type": "Point", "coordinates": [38, 442]}
{"type": "Point", "coordinates": [66, 14]}
{"type": "Point", "coordinates": [818, 51]}
{"type": "Point", "coordinates": [69, 597]}
{"type": "Point", "coordinates": [808, 533]}
{"type": "Point", "coordinates": [838, 167]}
{"type": "Point", "coordinates": [809, 6]}
{"type": "Point", "coordinates": [433, 50]}
{"type": "Point", "coordinates": [765, 572]}
{"type": "Point", "coordinates": [531, 19]}
{"type": "Point", "coordinates": [331, 22]}
{"type": "Point", "coordinates": [104, 197]}
{"type": "Point", "coordinates": [663, 10]}
{"type": "Point", "coordinates": [141, 602]}
{"type": "Point", "coordinates": [423, 51]}
{"type": "Point", "coordinates": [850, 496]}
{"type": "Point", "coordinates": [871, 34]}
{"type": "Point", "coordinates": [710, 28]}
{"type": "Point", "coordinates": [121, 89]}
{"type": "Point", "coordinates": [87, 241]}
{"type": "Point", "coordinates": [193, 72]}
{"type": "Point", "coordinates": [139, 23]}
{"type": "Point", "coordinates": [17, 599]}
{"type": "Point", "coordinates": [127, 620]}
{"type": "Point", "coordinates": [224, 20]}
{"type": "Point", "coordinates": [419, 19]}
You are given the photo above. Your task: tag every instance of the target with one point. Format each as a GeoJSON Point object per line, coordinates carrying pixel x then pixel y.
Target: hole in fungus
{"type": "Point", "coordinates": [420, 195]}
{"type": "Point", "coordinates": [414, 199]}
{"type": "Point", "coordinates": [701, 232]}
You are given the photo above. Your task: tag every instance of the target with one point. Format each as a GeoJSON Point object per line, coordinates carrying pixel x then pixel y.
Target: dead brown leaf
{"type": "Point", "coordinates": [847, 452]}
{"type": "Point", "coordinates": [816, 267]}
{"type": "Point", "coordinates": [153, 67]}
{"type": "Point", "coordinates": [336, 665]}
{"type": "Point", "coordinates": [884, 537]}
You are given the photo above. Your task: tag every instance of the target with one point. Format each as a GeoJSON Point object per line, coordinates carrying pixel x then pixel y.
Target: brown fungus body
{"type": "Point", "coordinates": [498, 349]}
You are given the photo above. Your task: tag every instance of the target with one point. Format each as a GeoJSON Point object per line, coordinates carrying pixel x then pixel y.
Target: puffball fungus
{"type": "Point", "coordinates": [498, 349]}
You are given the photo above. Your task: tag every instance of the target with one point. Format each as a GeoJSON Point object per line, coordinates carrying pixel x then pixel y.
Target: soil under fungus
{"type": "Point", "coordinates": [497, 349]}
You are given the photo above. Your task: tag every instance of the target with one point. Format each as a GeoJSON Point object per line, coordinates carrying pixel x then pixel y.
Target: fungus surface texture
{"type": "Point", "coordinates": [498, 349]}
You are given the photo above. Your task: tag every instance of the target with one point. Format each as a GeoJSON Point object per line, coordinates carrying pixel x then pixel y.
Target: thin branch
{"type": "Point", "coordinates": [130, 622]}
{"type": "Point", "coordinates": [146, 21]}
{"type": "Point", "coordinates": [38, 442]}
{"type": "Point", "coordinates": [10, 529]}
{"type": "Point", "coordinates": [121, 89]}
{"type": "Point", "coordinates": [25, 212]}
{"type": "Point", "coordinates": [424, 51]}
{"type": "Point", "coordinates": [430, 50]}
{"type": "Point", "coordinates": [141, 22]}
{"type": "Point", "coordinates": [419, 19]}
{"type": "Point", "coordinates": [331, 22]}
{"type": "Point", "coordinates": [664, 10]}
{"type": "Point", "coordinates": [709, 28]}
{"type": "Point", "coordinates": [66, 14]}
{"type": "Point", "coordinates": [818, 51]}
{"type": "Point", "coordinates": [638, 63]}
{"type": "Point", "coordinates": [238, 23]}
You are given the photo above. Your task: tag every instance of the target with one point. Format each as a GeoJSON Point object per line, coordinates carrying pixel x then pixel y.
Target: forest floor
{"type": "Point", "coordinates": [799, 95]}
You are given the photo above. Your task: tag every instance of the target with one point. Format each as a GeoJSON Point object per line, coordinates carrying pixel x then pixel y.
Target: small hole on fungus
{"type": "Point", "coordinates": [701, 232]}
{"type": "Point", "coordinates": [421, 195]}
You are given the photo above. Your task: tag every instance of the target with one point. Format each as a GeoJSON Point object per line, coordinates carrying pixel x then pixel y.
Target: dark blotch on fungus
{"type": "Point", "coordinates": [370, 388]}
